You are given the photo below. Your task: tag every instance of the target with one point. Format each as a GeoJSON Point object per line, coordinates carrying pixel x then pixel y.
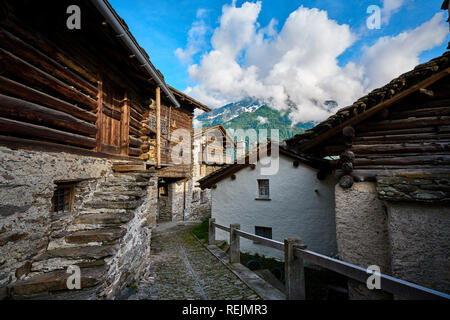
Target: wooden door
{"type": "Point", "coordinates": [111, 119]}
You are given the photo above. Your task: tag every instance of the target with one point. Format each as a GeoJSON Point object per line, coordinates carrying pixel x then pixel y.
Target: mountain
{"type": "Point", "coordinates": [253, 114]}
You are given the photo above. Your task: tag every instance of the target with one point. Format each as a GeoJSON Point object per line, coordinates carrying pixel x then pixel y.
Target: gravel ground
{"type": "Point", "coordinates": [181, 268]}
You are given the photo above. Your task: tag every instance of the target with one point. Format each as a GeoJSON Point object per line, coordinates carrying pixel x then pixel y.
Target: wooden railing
{"type": "Point", "coordinates": [295, 253]}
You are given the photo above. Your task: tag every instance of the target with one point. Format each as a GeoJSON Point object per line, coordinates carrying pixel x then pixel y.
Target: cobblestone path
{"type": "Point", "coordinates": [182, 269]}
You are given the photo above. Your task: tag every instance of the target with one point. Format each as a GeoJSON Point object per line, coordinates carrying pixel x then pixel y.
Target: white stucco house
{"type": "Point", "coordinates": [294, 202]}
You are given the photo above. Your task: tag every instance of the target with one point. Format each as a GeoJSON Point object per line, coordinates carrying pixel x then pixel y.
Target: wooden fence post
{"type": "Point", "coordinates": [235, 247]}
{"type": "Point", "coordinates": [294, 271]}
{"type": "Point", "coordinates": [212, 232]}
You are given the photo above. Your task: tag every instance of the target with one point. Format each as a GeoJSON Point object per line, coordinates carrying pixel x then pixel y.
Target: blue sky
{"type": "Point", "coordinates": [162, 26]}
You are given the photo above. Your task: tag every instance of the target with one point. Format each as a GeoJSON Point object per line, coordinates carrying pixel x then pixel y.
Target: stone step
{"type": "Point", "coordinates": [97, 235]}
{"type": "Point", "coordinates": [119, 204]}
{"type": "Point", "coordinates": [104, 219]}
{"type": "Point", "coordinates": [88, 252]}
{"type": "Point", "coordinates": [126, 184]}
{"type": "Point", "coordinates": [120, 196]}
{"type": "Point", "coordinates": [55, 281]}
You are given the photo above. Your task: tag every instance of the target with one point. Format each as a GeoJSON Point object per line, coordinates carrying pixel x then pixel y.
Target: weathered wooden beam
{"type": "Point", "coordinates": [125, 127]}
{"type": "Point", "coordinates": [389, 139]}
{"type": "Point", "coordinates": [158, 127]}
{"type": "Point", "coordinates": [111, 112]}
{"type": "Point", "coordinates": [28, 72]}
{"type": "Point", "coordinates": [405, 124]}
{"type": "Point", "coordinates": [432, 129]}
{"type": "Point", "coordinates": [30, 94]}
{"type": "Point", "coordinates": [23, 129]}
{"type": "Point", "coordinates": [419, 113]}
{"type": "Point", "coordinates": [135, 142]}
{"type": "Point", "coordinates": [135, 152]}
{"type": "Point", "coordinates": [19, 109]}
{"type": "Point", "coordinates": [100, 116]}
{"type": "Point", "coordinates": [129, 168]}
{"type": "Point", "coordinates": [438, 146]}
{"type": "Point", "coordinates": [44, 62]}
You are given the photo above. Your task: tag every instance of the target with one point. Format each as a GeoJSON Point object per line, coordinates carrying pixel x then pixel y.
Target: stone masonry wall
{"type": "Point", "coordinates": [420, 243]}
{"type": "Point", "coordinates": [26, 189]}
{"type": "Point", "coordinates": [107, 233]}
{"type": "Point", "coordinates": [362, 233]}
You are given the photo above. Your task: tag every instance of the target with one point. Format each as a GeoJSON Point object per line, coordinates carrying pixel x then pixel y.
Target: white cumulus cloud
{"type": "Point", "coordinates": [297, 67]}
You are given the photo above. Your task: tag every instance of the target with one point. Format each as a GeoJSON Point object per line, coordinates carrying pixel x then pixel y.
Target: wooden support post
{"type": "Point", "coordinates": [294, 271]}
{"type": "Point", "coordinates": [125, 127]}
{"type": "Point", "coordinates": [212, 232]}
{"type": "Point", "coordinates": [100, 116]}
{"type": "Point", "coordinates": [235, 244]}
{"type": "Point", "coordinates": [158, 127]}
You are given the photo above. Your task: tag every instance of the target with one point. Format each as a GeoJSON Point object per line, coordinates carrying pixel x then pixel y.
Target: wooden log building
{"type": "Point", "coordinates": [91, 91]}
{"type": "Point", "coordinates": [88, 127]}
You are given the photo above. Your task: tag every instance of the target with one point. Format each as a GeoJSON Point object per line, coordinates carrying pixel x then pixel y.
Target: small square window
{"type": "Point", "coordinates": [63, 196]}
{"type": "Point", "coordinates": [263, 232]}
{"type": "Point", "coordinates": [263, 189]}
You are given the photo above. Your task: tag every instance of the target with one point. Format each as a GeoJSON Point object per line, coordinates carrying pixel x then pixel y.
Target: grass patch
{"type": "Point", "coordinates": [201, 231]}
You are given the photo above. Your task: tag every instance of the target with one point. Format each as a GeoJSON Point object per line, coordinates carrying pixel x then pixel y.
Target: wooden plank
{"type": "Point", "coordinates": [27, 93]}
{"type": "Point", "coordinates": [100, 116]}
{"type": "Point", "coordinates": [110, 112]}
{"type": "Point", "coordinates": [438, 146]}
{"type": "Point", "coordinates": [27, 72]}
{"type": "Point", "coordinates": [129, 168]}
{"type": "Point", "coordinates": [422, 113]}
{"type": "Point", "coordinates": [372, 111]}
{"type": "Point", "coordinates": [405, 124]}
{"type": "Point", "coordinates": [135, 152]}
{"type": "Point", "coordinates": [28, 111]}
{"type": "Point", "coordinates": [50, 49]}
{"type": "Point", "coordinates": [45, 146]}
{"type": "Point", "coordinates": [390, 284]}
{"type": "Point", "coordinates": [262, 241]}
{"type": "Point", "coordinates": [439, 159]}
{"type": "Point", "coordinates": [125, 127]}
{"type": "Point", "coordinates": [158, 127]}
{"type": "Point", "coordinates": [15, 128]}
{"type": "Point", "coordinates": [135, 142]}
{"type": "Point", "coordinates": [37, 58]}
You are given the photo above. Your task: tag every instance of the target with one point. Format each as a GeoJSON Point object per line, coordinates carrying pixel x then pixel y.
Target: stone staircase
{"type": "Point", "coordinates": [90, 237]}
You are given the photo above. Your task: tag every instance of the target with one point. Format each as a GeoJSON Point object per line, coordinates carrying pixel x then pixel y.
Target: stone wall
{"type": "Point", "coordinates": [408, 240]}
{"type": "Point", "coordinates": [201, 203]}
{"type": "Point", "coordinates": [107, 233]}
{"type": "Point", "coordinates": [420, 243]}
{"type": "Point", "coordinates": [26, 189]}
{"type": "Point", "coordinates": [362, 233]}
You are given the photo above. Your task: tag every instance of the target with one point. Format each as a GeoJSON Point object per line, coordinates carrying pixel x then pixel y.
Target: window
{"type": "Point", "coordinates": [196, 196]}
{"type": "Point", "coordinates": [203, 196]}
{"type": "Point", "coordinates": [263, 232]}
{"type": "Point", "coordinates": [62, 201]}
{"type": "Point", "coordinates": [263, 189]}
{"type": "Point", "coordinates": [163, 190]}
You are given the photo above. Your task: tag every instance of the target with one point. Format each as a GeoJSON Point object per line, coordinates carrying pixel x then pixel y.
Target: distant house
{"type": "Point", "coordinates": [211, 146]}
{"type": "Point", "coordinates": [393, 197]}
{"type": "Point", "coordinates": [291, 203]}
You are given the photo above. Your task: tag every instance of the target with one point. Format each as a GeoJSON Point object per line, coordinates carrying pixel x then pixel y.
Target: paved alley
{"type": "Point", "coordinates": [182, 269]}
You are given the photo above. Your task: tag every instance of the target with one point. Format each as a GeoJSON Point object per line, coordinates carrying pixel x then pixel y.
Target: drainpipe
{"type": "Point", "coordinates": [114, 21]}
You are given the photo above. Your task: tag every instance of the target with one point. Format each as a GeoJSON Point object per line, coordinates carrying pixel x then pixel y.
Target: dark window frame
{"type": "Point", "coordinates": [63, 198]}
{"type": "Point", "coordinates": [265, 232]}
{"type": "Point", "coordinates": [263, 191]}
